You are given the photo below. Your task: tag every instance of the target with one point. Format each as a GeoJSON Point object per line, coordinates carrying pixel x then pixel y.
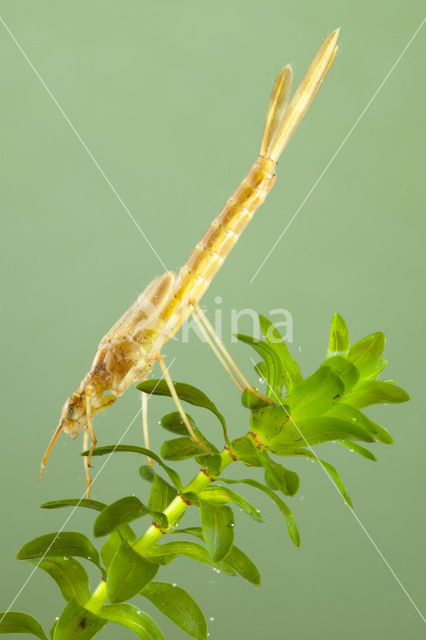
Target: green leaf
{"type": "Point", "coordinates": [243, 565]}
{"type": "Point", "coordinates": [332, 472]}
{"type": "Point", "coordinates": [315, 395]}
{"type": "Point", "coordinates": [125, 448]}
{"type": "Point", "coordinates": [345, 370]}
{"type": "Point", "coordinates": [218, 529]}
{"type": "Point", "coordinates": [147, 473]}
{"type": "Point", "coordinates": [375, 392]}
{"type": "Point", "coordinates": [123, 511]}
{"type": "Point", "coordinates": [326, 428]}
{"type": "Point", "coordinates": [69, 575]}
{"type": "Point", "coordinates": [321, 429]}
{"type": "Point", "coordinates": [133, 618]}
{"type": "Point", "coordinates": [366, 355]}
{"type": "Point", "coordinates": [347, 412]}
{"type": "Point", "coordinates": [66, 543]}
{"type": "Point", "coordinates": [192, 531]}
{"type": "Point", "coordinates": [180, 449]}
{"type": "Point", "coordinates": [334, 475]}
{"type": "Point", "coordinates": [379, 432]}
{"type": "Point", "coordinates": [290, 369]}
{"type": "Point", "coordinates": [272, 363]}
{"type": "Point", "coordinates": [261, 370]}
{"type": "Point", "coordinates": [77, 623]}
{"type": "Point", "coordinates": [17, 622]}
{"type": "Point", "coordinates": [129, 572]}
{"type": "Point", "coordinates": [113, 543]}
{"type": "Point", "coordinates": [197, 552]}
{"type": "Point", "coordinates": [185, 392]}
{"type": "Point", "coordinates": [245, 451]}
{"type": "Point", "coordinates": [268, 423]}
{"type": "Point", "coordinates": [74, 502]}
{"type": "Point", "coordinates": [216, 494]}
{"type": "Point", "coordinates": [356, 448]}
{"type": "Point", "coordinates": [175, 603]}
{"type": "Point", "coordinates": [173, 422]}
{"type": "Point", "coordinates": [166, 552]}
{"type": "Point", "coordinates": [285, 511]}
{"type": "Point", "coordinates": [211, 462]}
{"type": "Point", "coordinates": [162, 494]}
{"type": "Point", "coordinates": [279, 478]}
{"type": "Point", "coordinates": [339, 338]}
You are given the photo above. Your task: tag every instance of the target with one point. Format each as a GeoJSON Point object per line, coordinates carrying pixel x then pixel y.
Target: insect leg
{"type": "Point", "coordinates": [88, 431]}
{"type": "Point", "coordinates": [215, 350]}
{"type": "Point", "coordinates": [90, 425]}
{"type": "Point", "coordinates": [211, 336]}
{"type": "Point", "coordinates": [86, 460]}
{"type": "Point", "coordinates": [175, 397]}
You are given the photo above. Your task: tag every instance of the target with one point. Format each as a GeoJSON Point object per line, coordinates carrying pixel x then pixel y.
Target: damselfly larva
{"type": "Point", "coordinates": [128, 351]}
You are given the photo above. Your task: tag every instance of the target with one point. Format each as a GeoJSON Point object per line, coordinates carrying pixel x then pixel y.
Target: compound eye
{"type": "Point", "coordinates": [70, 410]}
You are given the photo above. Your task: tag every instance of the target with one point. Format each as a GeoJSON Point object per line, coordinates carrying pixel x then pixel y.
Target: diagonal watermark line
{"type": "Point", "coordinates": [78, 503]}
{"type": "Point", "coordinates": [84, 145]}
{"type": "Point", "coordinates": [339, 148]}
{"type": "Point", "coordinates": [351, 510]}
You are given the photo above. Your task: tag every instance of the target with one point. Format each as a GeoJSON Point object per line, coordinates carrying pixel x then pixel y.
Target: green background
{"type": "Point", "coordinates": [170, 98]}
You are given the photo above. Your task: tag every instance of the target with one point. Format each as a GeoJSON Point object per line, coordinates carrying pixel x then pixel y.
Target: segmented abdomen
{"type": "Point", "coordinates": [213, 248]}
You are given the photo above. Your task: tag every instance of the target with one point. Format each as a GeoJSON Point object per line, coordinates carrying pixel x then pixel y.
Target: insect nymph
{"type": "Point", "coordinates": [128, 351]}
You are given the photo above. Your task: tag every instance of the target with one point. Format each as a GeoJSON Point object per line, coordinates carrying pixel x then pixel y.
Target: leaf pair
{"type": "Point", "coordinates": [128, 572]}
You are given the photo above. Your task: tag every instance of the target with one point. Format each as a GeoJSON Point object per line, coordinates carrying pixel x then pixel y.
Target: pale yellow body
{"type": "Point", "coordinates": [128, 351]}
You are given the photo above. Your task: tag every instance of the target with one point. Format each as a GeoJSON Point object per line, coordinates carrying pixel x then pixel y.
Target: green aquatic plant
{"type": "Point", "coordinates": [295, 415]}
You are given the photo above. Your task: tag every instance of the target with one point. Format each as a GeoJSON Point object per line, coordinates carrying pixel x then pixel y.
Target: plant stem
{"type": "Point", "coordinates": [174, 510]}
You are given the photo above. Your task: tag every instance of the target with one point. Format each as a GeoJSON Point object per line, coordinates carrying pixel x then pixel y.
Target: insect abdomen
{"type": "Point", "coordinates": [225, 230]}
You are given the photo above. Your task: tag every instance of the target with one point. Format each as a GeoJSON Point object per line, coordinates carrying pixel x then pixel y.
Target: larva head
{"type": "Point", "coordinates": [73, 418]}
